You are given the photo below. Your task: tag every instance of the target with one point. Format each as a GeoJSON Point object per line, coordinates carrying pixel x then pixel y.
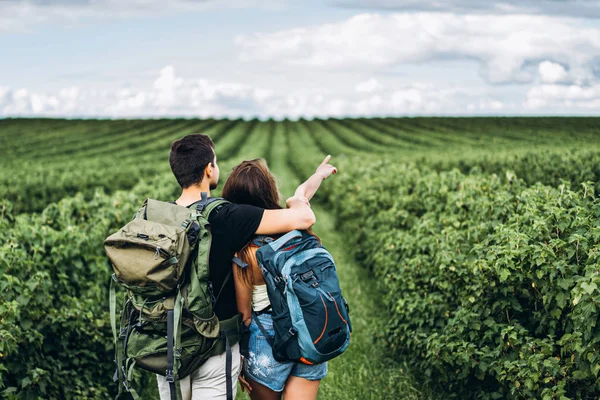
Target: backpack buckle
{"type": "Point", "coordinates": [280, 283]}
{"type": "Point", "coordinates": [122, 333]}
{"type": "Point", "coordinates": [307, 276]}
{"type": "Point", "coordinates": [169, 376]}
{"type": "Point", "coordinates": [211, 293]}
{"type": "Point", "coordinates": [125, 381]}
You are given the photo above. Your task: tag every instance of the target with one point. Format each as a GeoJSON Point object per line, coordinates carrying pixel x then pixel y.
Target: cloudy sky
{"type": "Point", "coordinates": [278, 58]}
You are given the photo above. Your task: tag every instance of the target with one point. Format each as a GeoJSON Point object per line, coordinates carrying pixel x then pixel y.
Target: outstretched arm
{"type": "Point", "coordinates": [298, 215]}
{"type": "Point", "coordinates": [312, 184]}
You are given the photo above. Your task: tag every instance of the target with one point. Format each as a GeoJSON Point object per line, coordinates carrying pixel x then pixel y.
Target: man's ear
{"type": "Point", "coordinates": [208, 171]}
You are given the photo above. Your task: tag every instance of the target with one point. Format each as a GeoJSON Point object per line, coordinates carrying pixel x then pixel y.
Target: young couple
{"type": "Point", "coordinates": [254, 210]}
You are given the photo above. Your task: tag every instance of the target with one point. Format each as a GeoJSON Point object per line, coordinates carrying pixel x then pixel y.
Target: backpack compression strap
{"type": "Point", "coordinates": [270, 339]}
{"type": "Point", "coordinates": [228, 356]}
{"type": "Point", "coordinates": [170, 354]}
{"type": "Point", "coordinates": [231, 331]}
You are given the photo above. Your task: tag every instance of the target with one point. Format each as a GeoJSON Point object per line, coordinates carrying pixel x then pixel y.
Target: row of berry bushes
{"type": "Point", "coordinates": [550, 167]}
{"type": "Point", "coordinates": [32, 188]}
{"type": "Point", "coordinates": [55, 336]}
{"type": "Point", "coordinates": [490, 283]}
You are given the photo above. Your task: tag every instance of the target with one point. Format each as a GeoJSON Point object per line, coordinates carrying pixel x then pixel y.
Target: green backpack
{"type": "Point", "coordinates": [167, 323]}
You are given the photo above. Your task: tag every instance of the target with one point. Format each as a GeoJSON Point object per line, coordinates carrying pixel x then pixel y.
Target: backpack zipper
{"type": "Point", "coordinates": [285, 270]}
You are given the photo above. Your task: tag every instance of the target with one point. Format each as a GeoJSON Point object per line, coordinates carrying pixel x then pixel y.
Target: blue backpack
{"type": "Point", "coordinates": [310, 316]}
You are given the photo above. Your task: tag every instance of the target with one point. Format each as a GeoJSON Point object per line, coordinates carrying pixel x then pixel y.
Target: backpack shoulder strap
{"type": "Point", "coordinates": [261, 240]}
{"type": "Point", "coordinates": [262, 329]}
{"type": "Point", "coordinates": [212, 204]}
{"type": "Point", "coordinates": [205, 206]}
{"type": "Point", "coordinates": [285, 239]}
{"type": "Point", "coordinates": [257, 241]}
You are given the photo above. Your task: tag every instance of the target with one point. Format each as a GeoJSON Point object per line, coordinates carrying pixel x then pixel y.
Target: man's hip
{"type": "Point", "coordinates": [207, 382]}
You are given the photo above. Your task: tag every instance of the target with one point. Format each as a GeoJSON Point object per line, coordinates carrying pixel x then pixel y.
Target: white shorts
{"type": "Point", "coordinates": [208, 381]}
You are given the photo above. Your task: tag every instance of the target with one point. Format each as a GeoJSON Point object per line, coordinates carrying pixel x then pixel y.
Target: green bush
{"type": "Point", "coordinates": [550, 167]}
{"type": "Point", "coordinates": [32, 188]}
{"type": "Point", "coordinates": [55, 336]}
{"type": "Point", "coordinates": [491, 285]}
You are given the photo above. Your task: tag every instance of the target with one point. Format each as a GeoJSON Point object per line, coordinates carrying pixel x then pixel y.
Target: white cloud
{"type": "Point", "coordinates": [419, 97]}
{"type": "Point", "coordinates": [167, 80]}
{"type": "Point", "coordinates": [173, 95]}
{"type": "Point", "coordinates": [368, 86]}
{"type": "Point", "coordinates": [21, 15]}
{"type": "Point", "coordinates": [165, 87]}
{"type": "Point", "coordinates": [414, 99]}
{"type": "Point", "coordinates": [577, 8]}
{"type": "Point", "coordinates": [551, 72]}
{"type": "Point", "coordinates": [505, 46]}
{"type": "Point", "coordinates": [168, 95]}
{"type": "Point", "coordinates": [563, 98]}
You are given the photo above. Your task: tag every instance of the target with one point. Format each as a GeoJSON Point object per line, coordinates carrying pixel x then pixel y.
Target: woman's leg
{"type": "Point", "coordinates": [297, 388]}
{"type": "Point", "coordinates": [261, 392]}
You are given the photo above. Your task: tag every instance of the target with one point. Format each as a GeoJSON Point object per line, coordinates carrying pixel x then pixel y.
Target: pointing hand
{"type": "Point", "coordinates": [325, 169]}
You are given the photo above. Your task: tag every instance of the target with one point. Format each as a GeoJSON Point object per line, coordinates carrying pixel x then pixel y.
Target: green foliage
{"type": "Point", "coordinates": [54, 325]}
{"type": "Point", "coordinates": [491, 285]}
{"type": "Point", "coordinates": [550, 167]}
{"type": "Point", "coordinates": [490, 281]}
{"type": "Point", "coordinates": [43, 167]}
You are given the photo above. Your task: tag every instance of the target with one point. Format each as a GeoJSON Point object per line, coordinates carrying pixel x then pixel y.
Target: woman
{"type": "Point", "coordinates": [252, 183]}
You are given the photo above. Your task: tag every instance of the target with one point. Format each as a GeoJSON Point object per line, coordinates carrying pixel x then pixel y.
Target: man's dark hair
{"type": "Point", "coordinates": [189, 157]}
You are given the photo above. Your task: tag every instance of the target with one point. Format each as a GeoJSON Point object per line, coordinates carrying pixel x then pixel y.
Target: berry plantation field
{"type": "Point", "coordinates": [469, 248]}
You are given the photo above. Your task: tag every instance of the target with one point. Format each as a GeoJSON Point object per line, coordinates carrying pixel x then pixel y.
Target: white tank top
{"type": "Point", "coordinates": [260, 298]}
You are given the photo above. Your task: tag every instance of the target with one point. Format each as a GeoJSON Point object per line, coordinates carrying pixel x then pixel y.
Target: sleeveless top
{"type": "Point", "coordinates": [260, 298]}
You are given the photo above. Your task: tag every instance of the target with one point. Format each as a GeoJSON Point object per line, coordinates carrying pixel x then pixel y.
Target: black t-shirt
{"type": "Point", "coordinates": [232, 227]}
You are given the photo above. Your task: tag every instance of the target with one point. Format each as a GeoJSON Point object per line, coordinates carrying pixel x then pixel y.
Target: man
{"type": "Point", "coordinates": [194, 164]}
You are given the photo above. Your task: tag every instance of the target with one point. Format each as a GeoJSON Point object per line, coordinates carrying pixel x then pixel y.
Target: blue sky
{"type": "Point", "coordinates": [275, 58]}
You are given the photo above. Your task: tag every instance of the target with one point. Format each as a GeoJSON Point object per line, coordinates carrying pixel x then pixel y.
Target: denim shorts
{"type": "Point", "coordinates": [261, 367]}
